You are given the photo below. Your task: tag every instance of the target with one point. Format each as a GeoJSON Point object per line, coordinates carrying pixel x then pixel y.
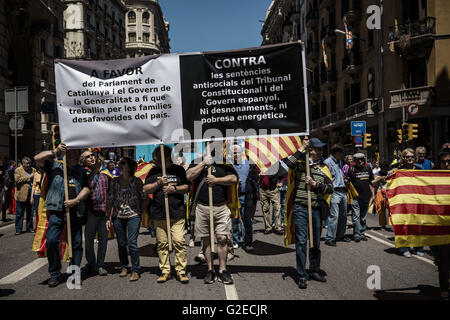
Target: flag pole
{"type": "Point", "coordinates": [66, 194]}
{"type": "Point", "coordinates": [211, 219]}
{"type": "Point", "coordinates": [308, 187]}
{"type": "Point", "coordinates": [166, 198]}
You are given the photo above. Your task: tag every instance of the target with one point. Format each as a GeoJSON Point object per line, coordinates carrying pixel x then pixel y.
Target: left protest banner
{"type": "Point", "coordinates": [115, 102]}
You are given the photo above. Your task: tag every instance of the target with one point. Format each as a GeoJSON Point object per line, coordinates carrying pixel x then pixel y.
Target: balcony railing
{"type": "Point", "coordinates": [413, 29]}
{"type": "Point", "coordinates": [420, 95]}
{"type": "Point", "coordinates": [364, 108]}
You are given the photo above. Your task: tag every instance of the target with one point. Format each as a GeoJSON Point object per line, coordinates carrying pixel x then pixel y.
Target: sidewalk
{"type": "Point", "coordinates": [10, 219]}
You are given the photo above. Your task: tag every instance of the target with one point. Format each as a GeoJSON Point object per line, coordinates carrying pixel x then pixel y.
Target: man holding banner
{"type": "Point", "coordinates": [220, 179]}
{"type": "Point", "coordinates": [321, 187]}
{"type": "Point", "coordinates": [174, 184]}
{"type": "Point", "coordinates": [55, 205]}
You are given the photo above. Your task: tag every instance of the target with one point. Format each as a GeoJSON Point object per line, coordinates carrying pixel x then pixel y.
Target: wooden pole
{"type": "Point", "coordinates": [211, 218]}
{"type": "Point", "coordinates": [166, 198]}
{"type": "Point", "coordinates": [66, 194]}
{"type": "Point", "coordinates": [308, 187]}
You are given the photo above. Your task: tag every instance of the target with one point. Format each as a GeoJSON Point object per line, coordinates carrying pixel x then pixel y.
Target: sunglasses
{"type": "Point", "coordinates": [408, 157]}
{"type": "Point", "coordinates": [445, 161]}
{"type": "Point", "coordinates": [89, 156]}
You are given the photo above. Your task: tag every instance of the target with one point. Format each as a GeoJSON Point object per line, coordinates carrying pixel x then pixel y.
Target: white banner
{"type": "Point", "coordinates": [118, 102]}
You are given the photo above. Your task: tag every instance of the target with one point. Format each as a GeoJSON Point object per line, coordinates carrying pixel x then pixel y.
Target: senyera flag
{"type": "Point", "coordinates": [265, 152]}
{"type": "Point", "coordinates": [419, 202]}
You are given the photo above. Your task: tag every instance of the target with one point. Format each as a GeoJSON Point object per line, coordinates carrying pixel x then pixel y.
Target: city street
{"type": "Point", "coordinates": [266, 274]}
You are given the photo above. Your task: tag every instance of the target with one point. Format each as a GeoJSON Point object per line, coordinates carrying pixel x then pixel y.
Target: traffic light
{"type": "Point", "coordinates": [399, 136]}
{"type": "Point", "coordinates": [56, 139]}
{"type": "Point", "coordinates": [412, 131]}
{"type": "Point", "coordinates": [367, 140]}
{"type": "Point", "coordinates": [405, 132]}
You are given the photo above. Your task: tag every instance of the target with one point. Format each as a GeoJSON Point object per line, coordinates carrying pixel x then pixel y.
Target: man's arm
{"type": "Point", "coordinates": [49, 154]}
{"type": "Point", "coordinates": [225, 181]}
{"type": "Point", "coordinates": [84, 193]}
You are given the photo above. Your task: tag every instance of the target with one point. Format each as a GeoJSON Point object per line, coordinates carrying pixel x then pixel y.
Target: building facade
{"type": "Point", "coordinates": [383, 72]}
{"type": "Point", "coordinates": [147, 32]}
{"type": "Point", "coordinates": [95, 29]}
{"type": "Point", "coordinates": [31, 36]}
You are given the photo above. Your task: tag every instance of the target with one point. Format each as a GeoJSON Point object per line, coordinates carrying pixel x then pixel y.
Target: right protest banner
{"type": "Point", "coordinates": [244, 91]}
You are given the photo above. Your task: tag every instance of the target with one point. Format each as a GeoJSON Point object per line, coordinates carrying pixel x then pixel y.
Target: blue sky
{"type": "Point", "coordinates": [211, 25]}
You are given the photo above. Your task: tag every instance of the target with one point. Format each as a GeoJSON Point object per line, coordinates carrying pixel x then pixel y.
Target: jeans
{"type": "Point", "coordinates": [247, 205]}
{"type": "Point", "coordinates": [21, 207]}
{"type": "Point", "coordinates": [402, 250]}
{"type": "Point", "coordinates": [282, 204]}
{"type": "Point", "coordinates": [359, 212]}
{"type": "Point", "coordinates": [36, 199]}
{"type": "Point", "coordinates": [337, 221]}
{"type": "Point", "coordinates": [300, 218]}
{"type": "Point", "coordinates": [127, 231]}
{"type": "Point", "coordinates": [96, 224]}
{"type": "Point", "coordinates": [237, 229]}
{"type": "Point", "coordinates": [56, 224]}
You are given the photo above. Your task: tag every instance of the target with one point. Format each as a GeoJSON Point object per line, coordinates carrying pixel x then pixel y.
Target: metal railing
{"type": "Point", "coordinates": [404, 97]}
{"type": "Point", "coordinates": [415, 28]}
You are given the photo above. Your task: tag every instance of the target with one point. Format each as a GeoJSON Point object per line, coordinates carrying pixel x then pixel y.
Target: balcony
{"type": "Point", "coordinates": [363, 109]}
{"type": "Point", "coordinates": [421, 95]}
{"type": "Point", "coordinates": [413, 39]}
{"type": "Point", "coordinates": [312, 19]}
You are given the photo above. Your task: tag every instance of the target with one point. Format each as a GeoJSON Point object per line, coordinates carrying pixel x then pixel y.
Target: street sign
{"type": "Point", "coordinates": [20, 123]}
{"type": "Point", "coordinates": [358, 140]}
{"type": "Point", "coordinates": [413, 109]}
{"type": "Point", "coordinates": [358, 128]}
{"type": "Point", "coordinates": [17, 95]}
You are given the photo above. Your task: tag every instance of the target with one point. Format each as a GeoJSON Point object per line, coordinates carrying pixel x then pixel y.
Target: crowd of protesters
{"type": "Point", "coordinates": [102, 197]}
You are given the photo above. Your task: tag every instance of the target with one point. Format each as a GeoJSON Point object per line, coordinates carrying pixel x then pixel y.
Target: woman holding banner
{"type": "Point", "coordinates": [126, 202]}
{"type": "Point", "coordinates": [172, 185]}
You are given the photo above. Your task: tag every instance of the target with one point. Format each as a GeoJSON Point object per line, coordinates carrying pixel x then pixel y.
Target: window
{"type": "Point", "coordinates": [131, 17]}
{"type": "Point", "coordinates": [370, 38]}
{"type": "Point", "coordinates": [43, 46]}
{"type": "Point", "coordinates": [333, 104]}
{"type": "Point", "coordinates": [346, 95]}
{"type": "Point", "coordinates": [145, 17]}
{"type": "Point", "coordinates": [416, 73]}
{"type": "Point", "coordinates": [356, 93]}
{"type": "Point", "coordinates": [323, 109]}
{"type": "Point", "coordinates": [132, 37]}
{"type": "Point", "coordinates": [146, 37]}
{"type": "Point", "coordinates": [57, 52]}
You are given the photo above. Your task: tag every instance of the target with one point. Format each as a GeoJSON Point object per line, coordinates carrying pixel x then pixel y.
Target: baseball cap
{"type": "Point", "coordinates": [316, 143]}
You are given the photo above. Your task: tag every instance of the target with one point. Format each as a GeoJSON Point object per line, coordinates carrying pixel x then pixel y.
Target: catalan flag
{"type": "Point", "coordinates": [324, 53]}
{"type": "Point", "coordinates": [39, 241]}
{"type": "Point", "coordinates": [348, 36]}
{"type": "Point", "coordinates": [419, 202]}
{"type": "Point", "coordinates": [264, 152]}
{"type": "Point", "coordinates": [142, 170]}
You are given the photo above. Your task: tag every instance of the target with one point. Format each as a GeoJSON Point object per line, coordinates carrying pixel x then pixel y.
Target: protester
{"type": "Point", "coordinates": [337, 221]}
{"type": "Point", "coordinates": [36, 191]}
{"type": "Point", "coordinates": [282, 189]}
{"type": "Point", "coordinates": [221, 177]}
{"type": "Point", "coordinates": [375, 167]}
{"type": "Point", "coordinates": [320, 183]}
{"type": "Point", "coordinates": [381, 204]}
{"type": "Point", "coordinates": [55, 204]}
{"type": "Point", "coordinates": [247, 196]}
{"type": "Point", "coordinates": [348, 161]}
{"type": "Point", "coordinates": [361, 176]}
{"type": "Point", "coordinates": [421, 153]}
{"type": "Point", "coordinates": [442, 252]}
{"type": "Point", "coordinates": [269, 195]}
{"type": "Point", "coordinates": [23, 177]}
{"type": "Point", "coordinates": [10, 201]}
{"type": "Point", "coordinates": [408, 157]}
{"type": "Point", "coordinates": [112, 170]}
{"type": "Point", "coordinates": [96, 214]}
{"type": "Point", "coordinates": [3, 205]}
{"type": "Point", "coordinates": [173, 185]}
{"type": "Point", "coordinates": [125, 205]}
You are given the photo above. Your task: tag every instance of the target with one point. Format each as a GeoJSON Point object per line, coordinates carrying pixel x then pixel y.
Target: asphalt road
{"type": "Point", "coordinates": [266, 274]}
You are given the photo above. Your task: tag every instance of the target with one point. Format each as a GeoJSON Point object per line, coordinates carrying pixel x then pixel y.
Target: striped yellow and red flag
{"type": "Point", "coordinates": [39, 242]}
{"type": "Point", "coordinates": [142, 170]}
{"type": "Point", "coordinates": [419, 202]}
{"type": "Point", "coordinates": [264, 152]}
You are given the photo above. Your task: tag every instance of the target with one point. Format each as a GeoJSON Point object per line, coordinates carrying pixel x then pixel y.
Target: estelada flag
{"type": "Point", "coordinates": [41, 227]}
{"type": "Point", "coordinates": [419, 202]}
{"type": "Point", "coordinates": [264, 152]}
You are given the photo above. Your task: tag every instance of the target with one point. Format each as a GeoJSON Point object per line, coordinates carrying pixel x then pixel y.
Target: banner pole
{"type": "Point", "coordinates": [308, 187]}
{"type": "Point", "coordinates": [211, 218]}
{"type": "Point", "coordinates": [166, 198]}
{"type": "Point", "coordinates": [66, 194]}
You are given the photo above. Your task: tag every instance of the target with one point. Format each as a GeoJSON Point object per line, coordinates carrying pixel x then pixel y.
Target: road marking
{"type": "Point", "coordinates": [392, 246]}
{"type": "Point", "coordinates": [24, 272]}
{"type": "Point", "coordinates": [230, 291]}
{"type": "Point", "coordinates": [380, 234]}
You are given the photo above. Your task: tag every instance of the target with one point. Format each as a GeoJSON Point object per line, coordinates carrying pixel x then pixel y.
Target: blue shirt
{"type": "Point", "coordinates": [336, 172]}
{"type": "Point", "coordinates": [426, 165]}
{"type": "Point", "coordinates": [242, 169]}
